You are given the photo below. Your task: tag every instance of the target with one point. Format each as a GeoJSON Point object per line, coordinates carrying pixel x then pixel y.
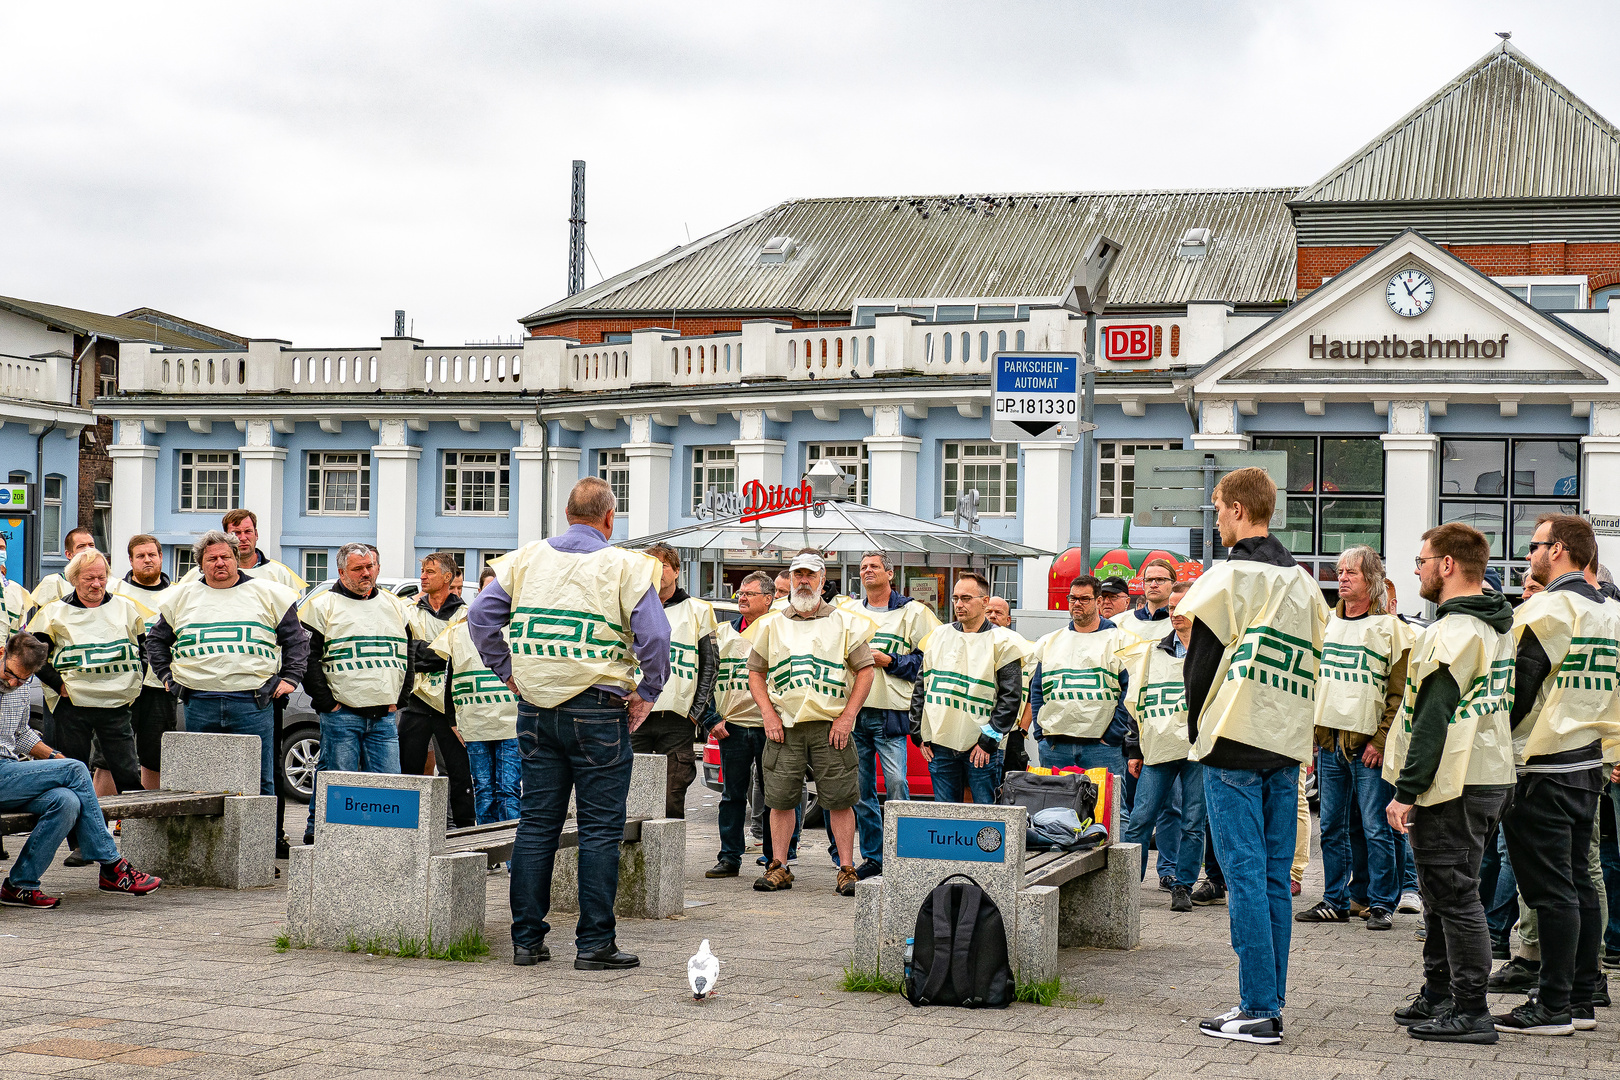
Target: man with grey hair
{"type": "Point", "coordinates": [227, 645]}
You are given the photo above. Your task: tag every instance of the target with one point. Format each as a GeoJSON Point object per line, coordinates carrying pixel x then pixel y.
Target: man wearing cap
{"type": "Point", "coordinates": [810, 672]}
{"type": "Point", "coordinates": [1113, 598]}
{"type": "Point", "coordinates": [1077, 688]}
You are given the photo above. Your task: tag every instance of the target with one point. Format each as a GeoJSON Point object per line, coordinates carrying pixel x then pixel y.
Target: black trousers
{"type": "Point", "coordinates": [1448, 841]}
{"type": "Point", "coordinates": [1549, 832]}
{"type": "Point", "coordinates": [670, 734]}
{"type": "Point", "coordinates": [75, 727]}
{"type": "Point", "coordinates": [419, 723]}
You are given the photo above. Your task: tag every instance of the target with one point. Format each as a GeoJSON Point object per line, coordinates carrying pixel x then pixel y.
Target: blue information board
{"type": "Point", "coordinates": [391, 808]}
{"type": "Point", "coordinates": [957, 839]}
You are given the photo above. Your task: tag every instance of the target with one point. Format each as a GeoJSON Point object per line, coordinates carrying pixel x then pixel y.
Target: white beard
{"type": "Point", "coordinates": [804, 602]}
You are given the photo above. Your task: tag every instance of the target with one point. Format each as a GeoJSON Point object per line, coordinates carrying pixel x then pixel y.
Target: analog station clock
{"type": "Point", "coordinates": [1410, 292]}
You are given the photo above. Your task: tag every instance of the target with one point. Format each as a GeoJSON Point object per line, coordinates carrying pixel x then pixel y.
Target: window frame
{"type": "Point", "coordinates": [1119, 462]}
{"type": "Point", "coordinates": [316, 470]}
{"type": "Point", "coordinates": [1529, 283]}
{"type": "Point", "coordinates": [51, 542]}
{"type": "Point", "coordinates": [454, 491]}
{"type": "Point", "coordinates": [309, 572]}
{"type": "Point", "coordinates": [1006, 502]}
{"type": "Point", "coordinates": [185, 485]}
{"type": "Point", "coordinates": [817, 451]}
{"type": "Point", "coordinates": [609, 465]}
{"type": "Point", "coordinates": [1325, 562]}
{"type": "Point", "coordinates": [700, 482]}
{"type": "Point", "coordinates": [1512, 567]}
{"type": "Point", "coordinates": [182, 561]}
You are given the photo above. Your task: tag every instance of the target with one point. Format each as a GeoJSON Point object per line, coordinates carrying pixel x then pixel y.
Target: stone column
{"type": "Point", "coordinates": [1047, 489]}
{"type": "Point", "coordinates": [565, 472]}
{"type": "Point", "coordinates": [529, 456]}
{"type": "Point", "coordinates": [892, 463]}
{"type": "Point", "coordinates": [1411, 503]}
{"type": "Point", "coordinates": [1600, 461]}
{"type": "Point", "coordinates": [649, 479]}
{"type": "Point", "coordinates": [394, 497]}
{"type": "Point", "coordinates": [1218, 427]}
{"type": "Point", "coordinates": [758, 458]}
{"type": "Point", "coordinates": [263, 466]}
{"type": "Point", "coordinates": [134, 490]}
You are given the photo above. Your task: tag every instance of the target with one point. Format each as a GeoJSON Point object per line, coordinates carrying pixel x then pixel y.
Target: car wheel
{"type": "Point", "coordinates": [300, 755]}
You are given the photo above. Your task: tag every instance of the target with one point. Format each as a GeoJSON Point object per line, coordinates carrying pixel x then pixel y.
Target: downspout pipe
{"type": "Point", "coordinates": [36, 550]}
{"type": "Point", "coordinates": [545, 473]}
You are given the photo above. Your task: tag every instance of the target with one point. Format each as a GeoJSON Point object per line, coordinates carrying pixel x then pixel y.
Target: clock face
{"type": "Point", "coordinates": [1410, 293]}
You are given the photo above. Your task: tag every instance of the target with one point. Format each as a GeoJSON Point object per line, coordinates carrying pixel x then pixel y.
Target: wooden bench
{"type": "Point", "coordinates": [496, 839]}
{"type": "Point", "coordinates": [134, 804]}
{"type": "Point", "coordinates": [1058, 868]}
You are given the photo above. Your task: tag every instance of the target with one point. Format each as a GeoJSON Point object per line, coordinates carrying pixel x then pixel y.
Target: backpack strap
{"type": "Point", "coordinates": [961, 955]}
{"type": "Point", "coordinates": [939, 966]}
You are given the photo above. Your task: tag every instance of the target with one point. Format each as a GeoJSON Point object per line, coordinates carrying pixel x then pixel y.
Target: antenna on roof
{"type": "Point", "coordinates": [576, 232]}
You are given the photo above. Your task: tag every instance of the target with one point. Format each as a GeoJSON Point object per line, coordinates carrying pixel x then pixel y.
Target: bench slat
{"type": "Point", "coordinates": [1067, 867]}
{"type": "Point", "coordinates": [496, 839]}
{"type": "Point", "coordinates": [136, 804]}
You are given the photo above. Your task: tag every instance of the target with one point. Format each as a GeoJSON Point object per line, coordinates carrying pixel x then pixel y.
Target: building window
{"type": "Point", "coordinates": [1551, 293]}
{"type": "Point", "coordinates": [1335, 496]}
{"type": "Point", "coordinates": [339, 483]}
{"type": "Point", "coordinates": [315, 565]}
{"type": "Point", "coordinates": [106, 378]}
{"type": "Point", "coordinates": [477, 482]}
{"type": "Point", "coordinates": [714, 468]}
{"type": "Point", "coordinates": [1475, 489]}
{"type": "Point", "coordinates": [183, 562]}
{"type": "Point", "coordinates": [614, 467]}
{"type": "Point", "coordinates": [101, 515]}
{"type": "Point", "coordinates": [209, 481]}
{"type": "Point", "coordinates": [1004, 582]}
{"type": "Point", "coordinates": [851, 458]}
{"type": "Point", "coordinates": [487, 556]}
{"type": "Point", "coordinates": [50, 516]}
{"type": "Point", "coordinates": [616, 337]}
{"type": "Point", "coordinates": [989, 468]}
{"type": "Point", "coordinates": [1116, 475]}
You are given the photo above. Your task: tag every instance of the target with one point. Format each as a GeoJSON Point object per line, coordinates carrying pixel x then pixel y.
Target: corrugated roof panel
{"type": "Point", "coordinates": [114, 327]}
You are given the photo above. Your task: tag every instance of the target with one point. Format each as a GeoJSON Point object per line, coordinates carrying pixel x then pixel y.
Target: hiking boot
{"type": "Point", "coordinates": [1322, 912]}
{"type": "Point", "coordinates": [28, 898]}
{"type": "Point", "coordinates": [122, 877]}
{"type": "Point", "coordinates": [777, 877]}
{"type": "Point", "coordinates": [846, 881]}
{"type": "Point", "coordinates": [1453, 1026]}
{"type": "Point", "coordinates": [722, 869]}
{"type": "Point", "coordinates": [1206, 892]}
{"type": "Point", "coordinates": [1180, 898]}
{"type": "Point", "coordinates": [1500, 950]}
{"type": "Point", "coordinates": [869, 869]}
{"type": "Point", "coordinates": [1420, 1010]}
{"type": "Point", "coordinates": [283, 848]}
{"type": "Point", "coordinates": [1358, 910]}
{"type": "Point", "coordinates": [1583, 1017]}
{"type": "Point", "coordinates": [1517, 976]}
{"type": "Point", "coordinates": [1533, 1018]}
{"type": "Point", "coordinates": [1240, 1026]}
{"type": "Point", "coordinates": [1411, 903]}
{"type": "Point", "coordinates": [1379, 920]}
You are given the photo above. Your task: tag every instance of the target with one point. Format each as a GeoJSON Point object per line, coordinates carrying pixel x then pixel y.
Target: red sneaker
{"type": "Point", "coordinates": [122, 877]}
{"type": "Point", "coordinates": [28, 898]}
{"type": "Point", "coordinates": [1293, 888]}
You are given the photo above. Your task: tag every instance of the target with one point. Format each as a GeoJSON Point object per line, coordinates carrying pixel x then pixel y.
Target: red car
{"type": "Point", "coordinates": [922, 786]}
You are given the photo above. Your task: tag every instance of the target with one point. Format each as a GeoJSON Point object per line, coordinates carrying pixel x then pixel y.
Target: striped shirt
{"type": "Point", "coordinates": [17, 738]}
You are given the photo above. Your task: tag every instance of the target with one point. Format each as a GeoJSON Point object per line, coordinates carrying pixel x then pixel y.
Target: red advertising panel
{"type": "Point", "coordinates": [1128, 342]}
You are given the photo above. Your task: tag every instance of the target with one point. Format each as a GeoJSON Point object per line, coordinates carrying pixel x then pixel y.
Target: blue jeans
{"type": "Point", "coordinates": [952, 774]}
{"type": "Point", "coordinates": [581, 746]}
{"type": "Point", "coordinates": [59, 791]}
{"type": "Point", "coordinates": [1498, 888]}
{"type": "Point", "coordinates": [1154, 791]}
{"type": "Point", "coordinates": [1168, 827]}
{"type": "Point", "coordinates": [871, 748]}
{"type": "Point", "coordinates": [1253, 817]}
{"type": "Point", "coordinates": [1353, 797]}
{"type": "Point", "coordinates": [352, 743]}
{"type": "Point", "coordinates": [236, 714]}
{"type": "Point", "coordinates": [495, 767]}
{"type": "Point", "coordinates": [1610, 853]}
{"type": "Point", "coordinates": [1056, 755]}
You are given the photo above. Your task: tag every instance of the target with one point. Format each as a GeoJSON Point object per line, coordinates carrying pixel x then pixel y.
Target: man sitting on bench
{"type": "Point", "coordinates": [38, 780]}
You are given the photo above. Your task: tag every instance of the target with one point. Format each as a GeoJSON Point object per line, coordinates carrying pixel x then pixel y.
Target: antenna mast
{"type": "Point", "coordinates": [576, 232]}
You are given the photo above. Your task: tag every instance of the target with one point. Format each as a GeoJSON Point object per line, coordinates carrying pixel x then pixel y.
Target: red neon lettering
{"type": "Point", "coordinates": [760, 501]}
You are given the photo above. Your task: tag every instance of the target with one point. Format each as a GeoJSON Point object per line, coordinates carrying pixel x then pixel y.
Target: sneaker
{"type": "Point", "coordinates": [1166, 883]}
{"type": "Point", "coordinates": [761, 861]}
{"type": "Point", "coordinates": [1611, 959]}
{"type": "Point", "coordinates": [1293, 888]}
{"type": "Point", "coordinates": [283, 848]}
{"type": "Point", "coordinates": [1583, 1017]}
{"type": "Point", "coordinates": [1322, 912]}
{"type": "Point", "coordinates": [723, 869]}
{"type": "Point", "coordinates": [1535, 1019]}
{"type": "Point", "coordinates": [1206, 892]}
{"type": "Point", "coordinates": [871, 868]}
{"type": "Point", "coordinates": [846, 881]}
{"type": "Point", "coordinates": [1242, 1027]}
{"type": "Point", "coordinates": [777, 877]}
{"type": "Point", "coordinates": [1358, 910]}
{"type": "Point", "coordinates": [1411, 903]}
{"type": "Point", "coordinates": [28, 898]}
{"type": "Point", "coordinates": [1180, 898]}
{"type": "Point", "coordinates": [1421, 1010]}
{"type": "Point", "coordinates": [75, 859]}
{"type": "Point", "coordinates": [1500, 950]}
{"type": "Point", "coordinates": [1380, 920]}
{"type": "Point", "coordinates": [122, 877]}
{"type": "Point", "coordinates": [1516, 976]}
{"type": "Point", "coordinates": [1453, 1026]}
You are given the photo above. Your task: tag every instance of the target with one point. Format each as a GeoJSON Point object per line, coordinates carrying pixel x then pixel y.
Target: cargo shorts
{"type": "Point", "coordinates": [805, 746]}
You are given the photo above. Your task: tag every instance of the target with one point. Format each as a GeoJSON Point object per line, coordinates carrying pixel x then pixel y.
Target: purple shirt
{"type": "Point", "coordinates": [492, 609]}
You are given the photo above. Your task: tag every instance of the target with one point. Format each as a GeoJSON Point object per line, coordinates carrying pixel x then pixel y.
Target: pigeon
{"type": "Point", "coordinates": [701, 972]}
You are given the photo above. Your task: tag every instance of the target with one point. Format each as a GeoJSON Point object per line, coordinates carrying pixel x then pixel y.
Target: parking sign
{"type": "Point", "coordinates": [1037, 397]}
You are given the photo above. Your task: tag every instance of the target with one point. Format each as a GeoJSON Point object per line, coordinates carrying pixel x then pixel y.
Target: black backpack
{"type": "Point", "coordinates": [958, 954]}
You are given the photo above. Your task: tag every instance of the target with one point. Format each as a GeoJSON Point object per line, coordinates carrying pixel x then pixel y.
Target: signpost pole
{"type": "Point", "coordinates": [1088, 396]}
{"type": "Point", "coordinates": [1209, 510]}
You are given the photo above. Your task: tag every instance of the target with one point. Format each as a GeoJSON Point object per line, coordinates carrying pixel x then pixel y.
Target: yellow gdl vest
{"type": "Point", "coordinates": [268, 569]}
{"type": "Point", "coordinates": [732, 699]}
{"type": "Point", "coordinates": [806, 674]}
{"type": "Point", "coordinates": [94, 649]}
{"type": "Point", "coordinates": [1353, 680]}
{"type": "Point", "coordinates": [900, 632]}
{"type": "Point", "coordinates": [1079, 680]}
{"type": "Point", "coordinates": [959, 682]}
{"type": "Point", "coordinates": [1579, 702]}
{"type": "Point", "coordinates": [225, 639]}
{"type": "Point", "coordinates": [1157, 700]}
{"type": "Point", "coordinates": [148, 600]}
{"type": "Point", "coordinates": [366, 658]}
{"type": "Point", "coordinates": [15, 604]}
{"type": "Point", "coordinates": [486, 711]}
{"type": "Point", "coordinates": [426, 626]}
{"type": "Point", "coordinates": [690, 621]}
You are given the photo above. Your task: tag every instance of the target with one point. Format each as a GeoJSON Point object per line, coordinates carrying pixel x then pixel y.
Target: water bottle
{"type": "Point", "coordinates": [910, 946]}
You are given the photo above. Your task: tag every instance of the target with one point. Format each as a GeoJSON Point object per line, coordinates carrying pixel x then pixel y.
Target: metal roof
{"type": "Point", "coordinates": [112, 327]}
{"type": "Point", "coordinates": [1017, 244]}
{"type": "Point", "coordinates": [1503, 129]}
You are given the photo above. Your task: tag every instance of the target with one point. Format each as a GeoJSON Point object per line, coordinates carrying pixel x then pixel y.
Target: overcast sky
{"type": "Point", "coordinates": [299, 170]}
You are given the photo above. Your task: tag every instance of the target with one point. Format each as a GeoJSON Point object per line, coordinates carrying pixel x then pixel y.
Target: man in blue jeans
{"type": "Point", "coordinates": [1250, 677]}
{"type": "Point", "coordinates": [1077, 688]}
{"type": "Point", "coordinates": [565, 623]}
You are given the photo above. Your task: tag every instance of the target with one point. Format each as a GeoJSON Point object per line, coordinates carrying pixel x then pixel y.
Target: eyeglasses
{"type": "Point", "coordinates": [1421, 559]}
{"type": "Point", "coordinates": [1157, 581]}
{"type": "Point", "coordinates": [11, 678]}
{"type": "Point", "coordinates": [965, 599]}
{"type": "Point", "coordinates": [1540, 544]}
{"type": "Point", "coordinates": [747, 595]}
{"type": "Point", "coordinates": [1082, 599]}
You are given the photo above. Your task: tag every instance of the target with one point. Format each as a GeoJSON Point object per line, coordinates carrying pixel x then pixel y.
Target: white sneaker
{"type": "Point", "coordinates": [1242, 1027]}
{"type": "Point", "coordinates": [1411, 903]}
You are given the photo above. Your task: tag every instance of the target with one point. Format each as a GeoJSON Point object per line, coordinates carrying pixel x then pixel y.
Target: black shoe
{"type": "Point", "coordinates": [871, 868]}
{"type": "Point", "coordinates": [1583, 1017]}
{"type": "Point", "coordinates": [1242, 1027]}
{"type": "Point", "coordinates": [1533, 1018]}
{"type": "Point", "coordinates": [1454, 1026]}
{"type": "Point", "coordinates": [1611, 959]}
{"type": "Point", "coordinates": [1517, 976]}
{"type": "Point", "coordinates": [1500, 950]}
{"type": "Point", "coordinates": [309, 838]}
{"type": "Point", "coordinates": [722, 869]}
{"type": "Point", "coordinates": [761, 861]}
{"type": "Point", "coordinates": [1379, 920]}
{"type": "Point", "coordinates": [283, 849]}
{"type": "Point", "coordinates": [529, 957]}
{"type": "Point", "coordinates": [607, 958]}
{"type": "Point", "coordinates": [1166, 883]}
{"type": "Point", "coordinates": [1421, 1010]}
{"type": "Point", "coordinates": [1180, 898]}
{"type": "Point", "coordinates": [1600, 996]}
{"type": "Point", "coordinates": [1206, 892]}
{"type": "Point", "coordinates": [75, 859]}
{"type": "Point", "coordinates": [1322, 912]}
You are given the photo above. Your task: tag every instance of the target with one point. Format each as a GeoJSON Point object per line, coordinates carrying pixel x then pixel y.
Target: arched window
{"type": "Point", "coordinates": [444, 369]}
{"type": "Point", "coordinates": [928, 348]}
{"type": "Point", "coordinates": [728, 357]}
{"type": "Point", "coordinates": [326, 370]}
{"type": "Point", "coordinates": [166, 374]}
{"type": "Point", "coordinates": [674, 361]}
{"type": "Point", "coordinates": [949, 338]}
{"type": "Point", "coordinates": [1020, 345]}
{"type": "Point", "coordinates": [1001, 341]}
{"type": "Point", "coordinates": [869, 354]}
{"type": "Point", "coordinates": [840, 352]}
{"type": "Point", "coordinates": [967, 340]}
{"type": "Point", "coordinates": [984, 344]}
{"type": "Point", "coordinates": [372, 371]}
{"type": "Point", "coordinates": [689, 359]}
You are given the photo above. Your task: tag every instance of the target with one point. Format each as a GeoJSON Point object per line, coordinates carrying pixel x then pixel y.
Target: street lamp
{"type": "Point", "coordinates": [1088, 295]}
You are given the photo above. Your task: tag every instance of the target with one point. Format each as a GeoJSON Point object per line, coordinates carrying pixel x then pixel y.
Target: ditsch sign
{"type": "Point", "coordinates": [760, 501]}
{"type": "Point", "coordinates": [1128, 342]}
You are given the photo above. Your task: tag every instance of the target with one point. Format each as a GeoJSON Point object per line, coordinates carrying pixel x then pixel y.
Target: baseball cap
{"type": "Point", "coordinates": [1115, 585]}
{"type": "Point", "coordinates": [807, 561]}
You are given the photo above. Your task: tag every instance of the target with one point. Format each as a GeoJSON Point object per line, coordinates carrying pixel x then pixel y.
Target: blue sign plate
{"type": "Point", "coordinates": [957, 839]}
{"type": "Point", "coordinates": [391, 808]}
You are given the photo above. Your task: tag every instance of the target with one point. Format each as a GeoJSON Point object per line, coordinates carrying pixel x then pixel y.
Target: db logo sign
{"type": "Point", "coordinates": [1128, 342]}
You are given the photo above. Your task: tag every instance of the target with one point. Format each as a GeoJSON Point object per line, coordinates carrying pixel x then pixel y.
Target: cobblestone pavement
{"type": "Point", "coordinates": [185, 982]}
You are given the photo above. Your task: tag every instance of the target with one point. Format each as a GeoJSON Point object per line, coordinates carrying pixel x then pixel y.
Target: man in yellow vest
{"type": "Point", "coordinates": [424, 719]}
{"type": "Point", "coordinates": [55, 586]}
{"type": "Point", "coordinates": [153, 712]}
{"type": "Point", "coordinates": [482, 711]}
{"type": "Point", "coordinates": [581, 616]}
{"type": "Point", "coordinates": [810, 672]}
{"type": "Point", "coordinates": [1566, 705]}
{"type": "Point", "coordinates": [1449, 755]}
{"type": "Point", "coordinates": [1250, 674]}
{"type": "Point", "coordinates": [1077, 688]}
{"type": "Point", "coordinates": [693, 661]}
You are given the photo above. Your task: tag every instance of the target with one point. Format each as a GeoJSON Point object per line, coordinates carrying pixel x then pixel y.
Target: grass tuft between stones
{"type": "Point", "coordinates": [1049, 992]}
{"type": "Point", "coordinates": [469, 948]}
{"type": "Point", "coordinates": [865, 982]}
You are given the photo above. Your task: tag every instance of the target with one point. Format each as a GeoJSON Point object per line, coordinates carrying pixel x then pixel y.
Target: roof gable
{"type": "Point", "coordinates": [1503, 129]}
{"type": "Point", "coordinates": [112, 327]}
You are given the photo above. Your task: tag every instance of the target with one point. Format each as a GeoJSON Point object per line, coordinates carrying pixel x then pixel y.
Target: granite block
{"type": "Point", "coordinates": [236, 850]}
{"type": "Point", "coordinates": [1034, 945]}
{"type": "Point", "coordinates": [652, 874]}
{"type": "Point", "coordinates": [649, 777]}
{"type": "Point", "coordinates": [1102, 909]}
{"type": "Point", "coordinates": [868, 924]}
{"type": "Point", "coordinates": [210, 761]}
{"type": "Point", "coordinates": [456, 895]}
{"type": "Point", "coordinates": [300, 894]}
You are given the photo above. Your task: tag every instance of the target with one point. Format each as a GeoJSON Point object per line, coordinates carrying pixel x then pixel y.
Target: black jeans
{"type": "Point", "coordinates": [1448, 841]}
{"type": "Point", "coordinates": [1549, 832]}
{"type": "Point", "coordinates": [111, 728]}
{"type": "Point", "coordinates": [418, 725]}
{"type": "Point", "coordinates": [671, 735]}
{"type": "Point", "coordinates": [740, 754]}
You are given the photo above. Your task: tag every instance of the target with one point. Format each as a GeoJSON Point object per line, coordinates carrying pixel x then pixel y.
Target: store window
{"type": "Point", "coordinates": [1335, 496]}
{"type": "Point", "coordinates": [614, 467]}
{"type": "Point", "coordinates": [1116, 475]}
{"type": "Point", "coordinates": [339, 483]}
{"type": "Point", "coordinates": [1475, 489]}
{"type": "Point", "coordinates": [209, 481]}
{"type": "Point", "coordinates": [50, 516]}
{"type": "Point", "coordinates": [316, 565]}
{"type": "Point", "coordinates": [1004, 582]}
{"type": "Point", "coordinates": [851, 458]}
{"type": "Point", "coordinates": [989, 468]}
{"type": "Point", "coordinates": [714, 468]}
{"type": "Point", "coordinates": [477, 482]}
